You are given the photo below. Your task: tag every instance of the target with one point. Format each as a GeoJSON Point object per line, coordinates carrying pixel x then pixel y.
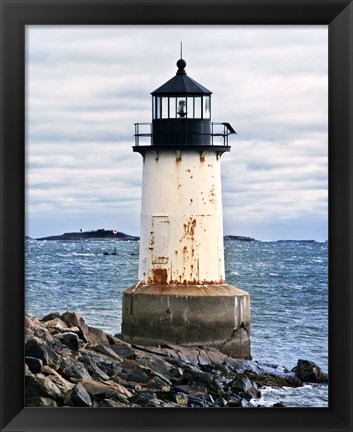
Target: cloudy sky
{"type": "Point", "coordinates": [86, 87]}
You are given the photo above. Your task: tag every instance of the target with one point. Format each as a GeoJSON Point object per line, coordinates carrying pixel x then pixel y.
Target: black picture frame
{"type": "Point", "coordinates": [15, 15]}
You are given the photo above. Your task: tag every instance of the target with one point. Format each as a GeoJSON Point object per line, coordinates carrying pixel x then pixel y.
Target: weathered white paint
{"type": "Point", "coordinates": [181, 218]}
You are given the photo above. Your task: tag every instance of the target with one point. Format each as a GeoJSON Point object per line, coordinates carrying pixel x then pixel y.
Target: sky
{"type": "Point", "coordinates": [86, 86]}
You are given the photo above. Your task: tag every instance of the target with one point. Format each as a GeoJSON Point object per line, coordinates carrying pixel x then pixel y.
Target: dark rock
{"type": "Point", "coordinates": [155, 384]}
{"type": "Point", "coordinates": [278, 405]}
{"type": "Point", "coordinates": [73, 370]}
{"type": "Point", "coordinates": [221, 402]}
{"type": "Point", "coordinates": [94, 363]}
{"type": "Point", "coordinates": [38, 401]}
{"type": "Point", "coordinates": [51, 316]}
{"type": "Point", "coordinates": [238, 402]}
{"type": "Point", "coordinates": [308, 371]}
{"type": "Point", "coordinates": [78, 397]}
{"type": "Point", "coordinates": [108, 351]}
{"type": "Point", "coordinates": [216, 357]}
{"type": "Point", "coordinates": [27, 370]}
{"type": "Point", "coordinates": [203, 379]}
{"type": "Point", "coordinates": [96, 336]}
{"type": "Point", "coordinates": [151, 372]}
{"type": "Point", "coordinates": [180, 399]}
{"type": "Point", "coordinates": [137, 378]}
{"type": "Point", "coordinates": [39, 385]}
{"type": "Point", "coordinates": [34, 364]}
{"type": "Point", "coordinates": [145, 399]}
{"type": "Point", "coordinates": [69, 339]}
{"type": "Point", "coordinates": [110, 403]}
{"type": "Point", "coordinates": [203, 358]}
{"type": "Point", "coordinates": [122, 349]}
{"type": "Point", "coordinates": [188, 355]}
{"type": "Point", "coordinates": [43, 350]}
{"type": "Point", "coordinates": [288, 380]}
{"type": "Point", "coordinates": [63, 385]}
{"type": "Point", "coordinates": [194, 402]}
{"type": "Point", "coordinates": [74, 319]}
{"type": "Point", "coordinates": [33, 327]}
{"type": "Point", "coordinates": [244, 387]}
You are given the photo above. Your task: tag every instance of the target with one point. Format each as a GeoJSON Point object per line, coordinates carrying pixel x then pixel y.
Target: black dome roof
{"type": "Point", "coordinates": [181, 84]}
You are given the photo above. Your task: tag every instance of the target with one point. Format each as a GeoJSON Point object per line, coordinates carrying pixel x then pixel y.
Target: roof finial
{"type": "Point", "coordinates": [181, 63]}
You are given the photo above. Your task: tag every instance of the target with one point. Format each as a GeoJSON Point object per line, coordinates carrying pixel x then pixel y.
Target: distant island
{"type": "Point", "coordinates": [88, 235]}
{"type": "Point", "coordinates": [241, 238]}
{"type": "Point", "coordinates": [110, 234]}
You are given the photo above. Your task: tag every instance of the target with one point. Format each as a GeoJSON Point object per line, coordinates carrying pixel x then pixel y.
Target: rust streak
{"type": "Point", "coordinates": [159, 277]}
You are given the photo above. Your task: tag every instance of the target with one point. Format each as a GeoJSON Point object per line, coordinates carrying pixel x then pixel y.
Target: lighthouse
{"type": "Point", "coordinates": [181, 296]}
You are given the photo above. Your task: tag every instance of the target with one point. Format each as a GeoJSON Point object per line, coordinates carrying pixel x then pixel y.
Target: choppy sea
{"type": "Point", "coordinates": [287, 281]}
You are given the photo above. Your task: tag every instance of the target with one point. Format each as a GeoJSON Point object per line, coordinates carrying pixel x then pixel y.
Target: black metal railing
{"type": "Point", "coordinates": [221, 130]}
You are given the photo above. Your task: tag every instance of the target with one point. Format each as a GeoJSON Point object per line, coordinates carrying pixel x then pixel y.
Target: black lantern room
{"type": "Point", "coordinates": [181, 117]}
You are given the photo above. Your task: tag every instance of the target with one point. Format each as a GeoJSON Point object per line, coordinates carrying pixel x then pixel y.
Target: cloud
{"type": "Point", "coordinates": [87, 86]}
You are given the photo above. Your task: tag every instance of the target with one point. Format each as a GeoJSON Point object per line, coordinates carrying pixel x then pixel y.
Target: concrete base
{"type": "Point", "coordinates": [188, 315]}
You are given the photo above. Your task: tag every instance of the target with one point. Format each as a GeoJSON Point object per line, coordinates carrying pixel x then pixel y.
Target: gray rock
{"type": "Point", "coordinates": [39, 385]}
{"type": "Point", "coordinates": [74, 319]}
{"type": "Point", "coordinates": [110, 403]}
{"type": "Point", "coordinates": [43, 350]}
{"type": "Point", "coordinates": [122, 349]}
{"type": "Point", "coordinates": [63, 385]}
{"type": "Point", "coordinates": [108, 351]}
{"type": "Point", "coordinates": [278, 405]}
{"type": "Point", "coordinates": [51, 316]}
{"type": "Point", "coordinates": [96, 365]}
{"type": "Point", "coordinates": [145, 399]}
{"type": "Point", "coordinates": [308, 371]}
{"type": "Point", "coordinates": [73, 370]}
{"type": "Point", "coordinates": [179, 398]}
{"type": "Point", "coordinates": [277, 380]}
{"type": "Point", "coordinates": [34, 364]}
{"type": "Point", "coordinates": [78, 397]}
{"type": "Point", "coordinates": [69, 339]}
{"type": "Point", "coordinates": [221, 402]}
{"type": "Point", "coordinates": [238, 402]}
{"type": "Point", "coordinates": [96, 336]}
{"type": "Point", "coordinates": [244, 387]}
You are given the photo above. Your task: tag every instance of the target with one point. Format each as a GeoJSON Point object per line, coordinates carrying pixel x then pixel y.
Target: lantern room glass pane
{"type": "Point", "coordinates": [153, 107]}
{"type": "Point", "coordinates": [190, 107]}
{"type": "Point", "coordinates": [172, 107]}
{"type": "Point", "coordinates": [165, 113]}
{"type": "Point", "coordinates": [206, 107]}
{"type": "Point", "coordinates": [197, 113]}
{"type": "Point", "coordinates": [159, 107]}
{"type": "Point", "coordinates": [181, 107]}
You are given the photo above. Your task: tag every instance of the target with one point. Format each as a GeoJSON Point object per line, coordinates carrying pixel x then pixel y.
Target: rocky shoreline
{"type": "Point", "coordinates": [71, 364]}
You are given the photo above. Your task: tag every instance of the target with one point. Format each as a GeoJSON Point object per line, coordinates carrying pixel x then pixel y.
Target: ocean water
{"type": "Point", "coordinates": [287, 281]}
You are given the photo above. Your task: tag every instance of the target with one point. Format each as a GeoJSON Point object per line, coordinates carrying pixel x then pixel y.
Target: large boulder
{"type": "Point", "coordinates": [44, 350]}
{"type": "Point", "coordinates": [73, 370]}
{"type": "Point", "coordinates": [244, 387]}
{"type": "Point", "coordinates": [69, 339]}
{"type": "Point", "coordinates": [78, 397]}
{"type": "Point", "coordinates": [308, 371]}
{"type": "Point", "coordinates": [63, 384]}
{"type": "Point", "coordinates": [99, 390]}
{"type": "Point", "coordinates": [41, 386]}
{"type": "Point", "coordinates": [35, 365]}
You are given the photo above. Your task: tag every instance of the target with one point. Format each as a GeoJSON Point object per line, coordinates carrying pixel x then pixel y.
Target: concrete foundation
{"type": "Point", "coordinates": [189, 315]}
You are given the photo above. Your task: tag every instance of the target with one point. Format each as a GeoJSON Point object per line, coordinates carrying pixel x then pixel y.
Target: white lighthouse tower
{"type": "Point", "coordinates": [182, 296]}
